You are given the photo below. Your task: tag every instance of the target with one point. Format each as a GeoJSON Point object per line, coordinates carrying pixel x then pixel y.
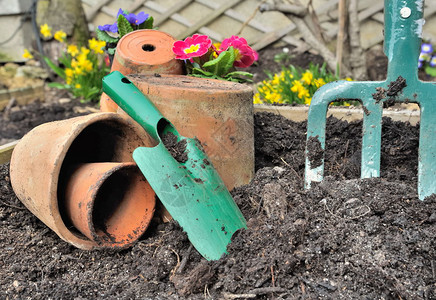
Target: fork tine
{"type": "Point", "coordinates": [371, 139]}
{"type": "Point", "coordinates": [427, 151]}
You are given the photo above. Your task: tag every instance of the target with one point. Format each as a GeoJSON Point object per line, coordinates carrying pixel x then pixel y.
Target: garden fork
{"type": "Point", "coordinates": [403, 30]}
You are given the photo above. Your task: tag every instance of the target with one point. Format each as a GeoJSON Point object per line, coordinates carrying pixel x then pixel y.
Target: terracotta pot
{"type": "Point", "coordinates": [42, 159]}
{"type": "Point", "coordinates": [146, 52]}
{"type": "Point", "coordinates": [219, 113]}
{"type": "Point", "coordinates": [110, 203]}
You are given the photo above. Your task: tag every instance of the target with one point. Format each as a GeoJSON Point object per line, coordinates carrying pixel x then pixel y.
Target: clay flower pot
{"type": "Point", "coordinates": [110, 203]}
{"type": "Point", "coordinates": [146, 52]}
{"type": "Point", "coordinates": [219, 113]}
{"type": "Point", "coordinates": [42, 161]}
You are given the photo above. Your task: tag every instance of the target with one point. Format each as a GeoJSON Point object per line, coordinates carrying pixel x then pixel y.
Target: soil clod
{"type": "Point", "coordinates": [395, 87]}
{"type": "Point", "coordinates": [314, 152]}
{"type": "Point", "coordinates": [176, 148]}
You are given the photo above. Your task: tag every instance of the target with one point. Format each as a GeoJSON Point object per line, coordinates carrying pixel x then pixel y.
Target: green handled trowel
{"type": "Point", "coordinates": [189, 188]}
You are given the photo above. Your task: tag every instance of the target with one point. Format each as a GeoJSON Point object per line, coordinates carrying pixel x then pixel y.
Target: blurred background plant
{"type": "Point", "coordinates": [125, 23]}
{"type": "Point", "coordinates": [427, 59]}
{"type": "Point", "coordinates": [294, 85]}
{"type": "Point", "coordinates": [283, 57]}
{"type": "Point", "coordinates": [80, 68]}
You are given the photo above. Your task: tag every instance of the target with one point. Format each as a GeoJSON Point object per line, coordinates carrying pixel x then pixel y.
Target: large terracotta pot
{"type": "Point", "coordinates": [219, 113]}
{"type": "Point", "coordinates": [144, 51]}
{"type": "Point", "coordinates": [42, 161]}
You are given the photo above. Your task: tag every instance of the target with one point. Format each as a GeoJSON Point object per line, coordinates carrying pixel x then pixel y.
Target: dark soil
{"type": "Point", "coordinates": [176, 148]}
{"type": "Point", "coordinates": [345, 239]}
{"type": "Point", "coordinates": [17, 121]}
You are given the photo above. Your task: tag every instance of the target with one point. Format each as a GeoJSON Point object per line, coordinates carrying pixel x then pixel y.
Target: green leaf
{"type": "Point", "coordinates": [204, 76]}
{"type": "Point", "coordinates": [430, 71]}
{"type": "Point", "coordinates": [195, 65]}
{"type": "Point", "coordinates": [198, 71]}
{"type": "Point", "coordinates": [57, 85]}
{"type": "Point", "coordinates": [221, 65]}
{"type": "Point", "coordinates": [148, 24]}
{"type": "Point", "coordinates": [104, 36]}
{"type": "Point", "coordinates": [240, 73]}
{"type": "Point", "coordinates": [124, 26]}
{"type": "Point", "coordinates": [59, 71]}
{"type": "Point", "coordinates": [111, 51]}
{"type": "Point", "coordinates": [90, 95]}
{"type": "Point", "coordinates": [237, 79]}
{"type": "Point", "coordinates": [65, 60]}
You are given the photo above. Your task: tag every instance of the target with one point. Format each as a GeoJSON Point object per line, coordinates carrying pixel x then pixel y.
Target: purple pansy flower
{"type": "Point", "coordinates": [109, 27]}
{"type": "Point", "coordinates": [139, 18]}
{"type": "Point", "coordinates": [426, 48]}
{"type": "Point", "coordinates": [433, 61]}
{"type": "Point", "coordinates": [132, 18]}
{"type": "Point", "coordinates": [121, 12]}
{"type": "Point", "coordinates": [424, 57]}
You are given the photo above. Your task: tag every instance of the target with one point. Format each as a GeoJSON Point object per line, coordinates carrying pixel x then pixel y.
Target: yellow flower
{"type": "Point", "coordinates": [303, 93]}
{"type": "Point", "coordinates": [27, 54]}
{"type": "Point", "coordinates": [348, 79]}
{"type": "Point", "coordinates": [307, 100]}
{"type": "Point", "coordinates": [319, 82]}
{"type": "Point", "coordinates": [96, 45]}
{"type": "Point", "coordinates": [307, 77]}
{"type": "Point", "coordinates": [82, 60]}
{"type": "Point", "coordinates": [77, 86]}
{"type": "Point", "coordinates": [74, 64]}
{"type": "Point", "coordinates": [276, 98]}
{"type": "Point", "coordinates": [86, 65]}
{"type": "Point", "coordinates": [73, 50]}
{"type": "Point", "coordinates": [69, 72]}
{"type": "Point", "coordinates": [84, 51]}
{"type": "Point", "coordinates": [217, 46]}
{"type": "Point", "coordinates": [78, 71]}
{"type": "Point", "coordinates": [60, 36]}
{"type": "Point", "coordinates": [256, 99]}
{"type": "Point", "coordinates": [296, 86]}
{"type": "Point", "coordinates": [68, 80]}
{"type": "Point", "coordinates": [276, 80]}
{"type": "Point", "coordinates": [45, 30]}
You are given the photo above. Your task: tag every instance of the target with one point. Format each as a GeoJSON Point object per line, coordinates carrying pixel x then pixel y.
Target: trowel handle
{"type": "Point", "coordinates": [124, 93]}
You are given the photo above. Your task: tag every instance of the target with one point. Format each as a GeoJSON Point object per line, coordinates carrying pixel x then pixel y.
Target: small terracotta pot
{"type": "Point", "coordinates": [110, 203]}
{"type": "Point", "coordinates": [143, 52]}
{"type": "Point", "coordinates": [41, 162]}
{"type": "Point", "coordinates": [219, 113]}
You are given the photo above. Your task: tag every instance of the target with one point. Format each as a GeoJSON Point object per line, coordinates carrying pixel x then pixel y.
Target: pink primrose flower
{"type": "Point", "coordinates": [194, 46]}
{"type": "Point", "coordinates": [245, 55]}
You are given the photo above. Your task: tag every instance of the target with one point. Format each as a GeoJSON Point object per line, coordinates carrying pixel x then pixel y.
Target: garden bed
{"type": "Point", "coordinates": [345, 239]}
